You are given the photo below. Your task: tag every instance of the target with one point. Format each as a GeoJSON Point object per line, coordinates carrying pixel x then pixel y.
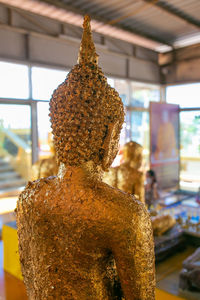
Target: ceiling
{"type": "Point", "coordinates": [157, 24]}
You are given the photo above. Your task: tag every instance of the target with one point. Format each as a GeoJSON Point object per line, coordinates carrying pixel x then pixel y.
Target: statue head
{"type": "Point", "coordinates": [132, 152]}
{"type": "Point", "coordinates": [85, 112]}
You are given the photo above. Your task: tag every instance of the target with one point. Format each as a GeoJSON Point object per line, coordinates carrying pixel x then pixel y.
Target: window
{"type": "Point", "coordinates": [15, 144]}
{"type": "Point", "coordinates": [138, 120]}
{"type": "Point", "coordinates": [14, 81]}
{"type": "Point", "coordinates": [15, 116]}
{"type": "Point", "coordinates": [140, 127]}
{"type": "Point", "coordinates": [44, 128]}
{"type": "Point", "coordinates": [122, 87]}
{"type": "Point", "coordinates": [110, 81]}
{"type": "Point", "coordinates": [140, 132]}
{"type": "Point", "coordinates": [15, 120]}
{"type": "Point", "coordinates": [190, 149]}
{"type": "Point", "coordinates": [142, 94]}
{"type": "Point", "coordinates": [187, 95]}
{"type": "Point", "coordinates": [44, 81]}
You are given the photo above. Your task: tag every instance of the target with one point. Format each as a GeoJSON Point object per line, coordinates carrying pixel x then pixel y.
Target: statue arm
{"type": "Point", "coordinates": [24, 242]}
{"type": "Point", "coordinates": [134, 256]}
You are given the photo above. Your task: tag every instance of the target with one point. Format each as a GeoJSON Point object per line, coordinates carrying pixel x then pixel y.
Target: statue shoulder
{"type": "Point", "coordinates": [118, 197]}
{"type": "Point", "coordinates": [123, 211]}
{"type": "Point", "coordinates": [109, 176]}
{"type": "Point", "coordinates": [34, 190]}
{"type": "Point", "coordinates": [130, 204]}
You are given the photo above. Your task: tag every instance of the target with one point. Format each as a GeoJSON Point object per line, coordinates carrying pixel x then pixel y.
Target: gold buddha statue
{"type": "Point", "coordinates": [161, 224]}
{"type": "Point", "coordinates": [46, 167]}
{"type": "Point", "coordinates": [79, 238]}
{"type": "Point", "coordinates": [127, 176]}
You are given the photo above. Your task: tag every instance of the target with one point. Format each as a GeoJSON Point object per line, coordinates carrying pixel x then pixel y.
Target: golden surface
{"type": "Point", "coordinates": [79, 238]}
{"type": "Point", "coordinates": [45, 168]}
{"type": "Point", "coordinates": [161, 224]}
{"type": "Point", "coordinates": [127, 176]}
{"type": "Point", "coordinates": [48, 166]}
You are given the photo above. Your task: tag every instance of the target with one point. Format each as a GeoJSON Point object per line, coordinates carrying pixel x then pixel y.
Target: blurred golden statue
{"type": "Point", "coordinates": [127, 176]}
{"type": "Point", "coordinates": [48, 166]}
{"type": "Point", "coordinates": [161, 224]}
{"type": "Point", "coordinates": [78, 237]}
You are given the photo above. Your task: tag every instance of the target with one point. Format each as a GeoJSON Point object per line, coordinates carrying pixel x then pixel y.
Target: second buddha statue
{"type": "Point", "coordinates": [127, 176]}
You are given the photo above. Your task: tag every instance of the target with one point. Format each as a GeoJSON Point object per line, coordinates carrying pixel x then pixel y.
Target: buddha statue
{"type": "Point", "coordinates": [46, 167]}
{"type": "Point", "coordinates": [127, 176]}
{"type": "Point", "coordinates": [161, 224]}
{"type": "Point", "coordinates": [79, 238]}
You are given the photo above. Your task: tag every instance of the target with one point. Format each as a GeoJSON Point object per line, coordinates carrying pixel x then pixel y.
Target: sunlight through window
{"type": "Point", "coordinates": [45, 81]}
{"type": "Point", "coordinates": [14, 81]}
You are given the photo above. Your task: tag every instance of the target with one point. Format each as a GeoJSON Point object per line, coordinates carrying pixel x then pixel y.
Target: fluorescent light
{"type": "Point", "coordinates": [187, 40]}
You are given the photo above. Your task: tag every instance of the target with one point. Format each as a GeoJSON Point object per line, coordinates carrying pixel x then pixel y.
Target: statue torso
{"type": "Point", "coordinates": [128, 178]}
{"type": "Point", "coordinates": [66, 235]}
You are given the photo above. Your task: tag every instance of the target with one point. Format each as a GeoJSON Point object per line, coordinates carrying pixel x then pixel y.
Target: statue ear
{"type": "Point", "coordinates": [107, 147]}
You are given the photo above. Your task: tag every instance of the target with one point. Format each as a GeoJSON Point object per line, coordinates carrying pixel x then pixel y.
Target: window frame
{"type": "Point", "coordinates": [181, 109]}
{"type": "Point", "coordinates": [33, 102]}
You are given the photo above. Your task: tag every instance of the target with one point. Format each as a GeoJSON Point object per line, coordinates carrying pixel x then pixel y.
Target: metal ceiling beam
{"type": "Point", "coordinates": [132, 12]}
{"type": "Point", "coordinates": [172, 10]}
{"type": "Point", "coordinates": [118, 4]}
{"type": "Point", "coordinates": [143, 34]}
{"type": "Point", "coordinates": [33, 21]}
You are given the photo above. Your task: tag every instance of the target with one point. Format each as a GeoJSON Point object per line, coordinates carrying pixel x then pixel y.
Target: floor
{"type": "Point", "coordinates": [10, 287]}
{"type": "Point", "coordinates": [167, 274]}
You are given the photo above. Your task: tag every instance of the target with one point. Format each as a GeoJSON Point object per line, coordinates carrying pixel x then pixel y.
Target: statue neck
{"type": "Point", "coordinates": [86, 171]}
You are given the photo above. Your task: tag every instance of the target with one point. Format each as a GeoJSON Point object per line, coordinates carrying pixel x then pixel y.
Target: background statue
{"type": "Point", "coordinates": [161, 224]}
{"type": "Point", "coordinates": [48, 166]}
{"type": "Point", "coordinates": [127, 176]}
{"type": "Point", "coordinates": [73, 228]}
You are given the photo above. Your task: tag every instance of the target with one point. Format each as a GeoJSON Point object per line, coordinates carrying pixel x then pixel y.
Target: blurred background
{"type": "Point", "coordinates": [149, 51]}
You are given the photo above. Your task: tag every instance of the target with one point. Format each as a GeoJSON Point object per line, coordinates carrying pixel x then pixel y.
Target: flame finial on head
{"type": "Point", "coordinates": [86, 113]}
{"type": "Point", "coordinates": [87, 52]}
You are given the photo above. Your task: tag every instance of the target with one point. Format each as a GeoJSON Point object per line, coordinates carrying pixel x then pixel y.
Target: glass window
{"type": "Point", "coordinates": [187, 95]}
{"type": "Point", "coordinates": [142, 94]}
{"type": "Point", "coordinates": [44, 81]}
{"type": "Point", "coordinates": [44, 129]}
{"type": "Point", "coordinates": [15, 116]}
{"type": "Point", "coordinates": [14, 81]}
{"type": "Point", "coordinates": [127, 126]}
{"type": "Point", "coordinates": [190, 149]}
{"type": "Point", "coordinates": [111, 82]}
{"type": "Point", "coordinates": [140, 132]}
{"type": "Point", "coordinates": [135, 128]}
{"type": "Point", "coordinates": [122, 87]}
{"type": "Point", "coordinates": [15, 147]}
